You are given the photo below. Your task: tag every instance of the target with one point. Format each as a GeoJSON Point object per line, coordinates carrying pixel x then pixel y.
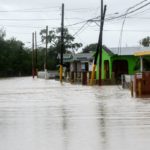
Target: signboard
{"type": "Point", "coordinates": [139, 76]}
{"type": "Point", "coordinates": [71, 67]}
{"type": "Point", "coordinates": [83, 66]}
{"type": "Point", "coordinates": [90, 66]}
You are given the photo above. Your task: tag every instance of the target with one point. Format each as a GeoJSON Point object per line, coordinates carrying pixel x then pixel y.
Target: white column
{"type": "Point", "coordinates": [46, 74]}
{"type": "Point", "coordinates": [141, 64]}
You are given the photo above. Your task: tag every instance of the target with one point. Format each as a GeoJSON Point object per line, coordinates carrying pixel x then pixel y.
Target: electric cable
{"type": "Point", "coordinates": [123, 23]}
{"type": "Point", "coordinates": [79, 29]}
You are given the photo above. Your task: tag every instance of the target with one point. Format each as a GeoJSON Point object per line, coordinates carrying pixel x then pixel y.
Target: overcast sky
{"type": "Point", "coordinates": [22, 17]}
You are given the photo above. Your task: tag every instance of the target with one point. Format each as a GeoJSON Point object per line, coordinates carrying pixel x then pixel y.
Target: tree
{"type": "Point", "coordinates": [88, 48]}
{"type": "Point", "coordinates": [14, 58]}
{"type": "Point", "coordinates": [54, 39]}
{"type": "Point", "coordinates": [146, 64]}
{"type": "Point", "coordinates": [145, 41]}
{"type": "Point", "coordinates": [54, 46]}
{"type": "Point", "coordinates": [2, 34]}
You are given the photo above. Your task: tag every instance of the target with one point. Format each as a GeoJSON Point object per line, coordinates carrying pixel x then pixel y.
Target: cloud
{"type": "Point", "coordinates": [75, 11]}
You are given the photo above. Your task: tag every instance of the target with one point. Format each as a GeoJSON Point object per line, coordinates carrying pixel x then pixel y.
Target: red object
{"type": "Point", "coordinates": [33, 73]}
{"type": "Point", "coordinates": [144, 78]}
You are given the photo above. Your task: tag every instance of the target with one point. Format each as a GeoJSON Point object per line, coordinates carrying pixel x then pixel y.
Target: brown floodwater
{"type": "Point", "coordinates": [46, 115]}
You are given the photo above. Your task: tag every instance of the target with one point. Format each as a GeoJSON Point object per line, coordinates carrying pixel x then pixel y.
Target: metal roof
{"type": "Point", "coordinates": [129, 50]}
{"type": "Point", "coordinates": [77, 57]}
{"type": "Point", "coordinates": [142, 53]}
{"type": "Point", "coordinates": [112, 51]}
{"type": "Point", "coordinates": [83, 56]}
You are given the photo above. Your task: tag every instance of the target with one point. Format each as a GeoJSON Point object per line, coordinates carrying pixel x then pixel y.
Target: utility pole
{"type": "Point", "coordinates": [62, 43]}
{"type": "Point", "coordinates": [36, 66]}
{"type": "Point", "coordinates": [33, 66]}
{"type": "Point", "coordinates": [101, 41]}
{"type": "Point", "coordinates": [46, 46]}
{"type": "Point", "coordinates": [99, 47]}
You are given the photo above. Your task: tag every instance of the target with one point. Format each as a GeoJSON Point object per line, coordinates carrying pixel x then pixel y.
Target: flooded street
{"type": "Point", "coordinates": [45, 115]}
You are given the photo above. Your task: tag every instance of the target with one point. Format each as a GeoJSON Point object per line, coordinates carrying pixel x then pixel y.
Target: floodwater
{"type": "Point", "coordinates": [45, 115]}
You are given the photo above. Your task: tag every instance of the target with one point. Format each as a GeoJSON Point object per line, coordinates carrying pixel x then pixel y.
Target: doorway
{"type": "Point", "coordinates": [106, 69]}
{"type": "Point", "coordinates": [120, 67]}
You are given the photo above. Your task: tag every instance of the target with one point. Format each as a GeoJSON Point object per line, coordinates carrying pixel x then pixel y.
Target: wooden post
{"type": "Point", "coordinates": [99, 46]}
{"type": "Point", "coordinates": [139, 88]}
{"type": "Point", "coordinates": [101, 42]}
{"type": "Point", "coordinates": [62, 44]}
{"type": "Point", "coordinates": [93, 74]}
{"type": "Point", "coordinates": [141, 64]}
{"type": "Point", "coordinates": [46, 49]}
{"type": "Point", "coordinates": [131, 87]}
{"type": "Point", "coordinates": [36, 61]}
{"type": "Point", "coordinates": [33, 66]}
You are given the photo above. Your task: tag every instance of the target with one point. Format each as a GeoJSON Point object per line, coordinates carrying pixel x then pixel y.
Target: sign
{"type": "Point", "coordinates": [71, 67]}
{"type": "Point", "coordinates": [139, 76]}
{"type": "Point", "coordinates": [90, 66]}
{"type": "Point", "coordinates": [83, 66]}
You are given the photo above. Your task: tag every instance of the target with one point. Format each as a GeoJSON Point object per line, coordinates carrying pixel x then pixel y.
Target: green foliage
{"type": "Point", "coordinates": [2, 34]}
{"type": "Point", "coordinates": [15, 60]}
{"type": "Point", "coordinates": [54, 39]}
{"type": "Point", "coordinates": [54, 45]}
{"type": "Point", "coordinates": [146, 64]}
{"type": "Point", "coordinates": [52, 61]}
{"type": "Point", "coordinates": [145, 41]}
{"type": "Point", "coordinates": [91, 47]}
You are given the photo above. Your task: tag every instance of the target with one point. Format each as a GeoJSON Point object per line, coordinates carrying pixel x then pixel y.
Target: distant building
{"type": "Point", "coordinates": [78, 67]}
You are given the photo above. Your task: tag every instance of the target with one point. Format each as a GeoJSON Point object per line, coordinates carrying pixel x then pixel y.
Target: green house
{"type": "Point", "coordinates": [114, 64]}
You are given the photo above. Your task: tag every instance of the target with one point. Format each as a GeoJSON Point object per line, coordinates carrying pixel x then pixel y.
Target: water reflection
{"type": "Point", "coordinates": [65, 128]}
{"type": "Point", "coordinates": [42, 115]}
{"type": "Point", "coordinates": [102, 125]}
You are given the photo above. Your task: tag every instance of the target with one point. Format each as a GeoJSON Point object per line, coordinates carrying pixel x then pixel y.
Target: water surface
{"type": "Point", "coordinates": [45, 115]}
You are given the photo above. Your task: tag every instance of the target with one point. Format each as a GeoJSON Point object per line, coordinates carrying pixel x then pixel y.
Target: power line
{"type": "Point", "coordinates": [76, 23]}
{"type": "Point", "coordinates": [127, 12]}
{"type": "Point", "coordinates": [21, 26]}
{"type": "Point", "coordinates": [81, 10]}
{"type": "Point", "coordinates": [43, 9]}
{"type": "Point", "coordinates": [127, 30]}
{"type": "Point", "coordinates": [34, 27]}
{"type": "Point", "coordinates": [84, 22]}
{"type": "Point", "coordinates": [27, 19]}
{"type": "Point", "coordinates": [87, 20]}
{"type": "Point", "coordinates": [79, 29]}
{"type": "Point", "coordinates": [143, 18]}
{"type": "Point", "coordinates": [107, 19]}
{"type": "Point", "coordinates": [89, 8]}
{"type": "Point", "coordinates": [28, 9]}
{"type": "Point", "coordinates": [40, 19]}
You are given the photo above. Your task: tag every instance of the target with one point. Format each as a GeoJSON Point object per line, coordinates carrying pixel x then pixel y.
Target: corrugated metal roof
{"type": "Point", "coordinates": [111, 51]}
{"type": "Point", "coordinates": [83, 56]}
{"type": "Point", "coordinates": [142, 53]}
{"type": "Point", "coordinates": [129, 50]}
{"type": "Point", "coordinates": [77, 57]}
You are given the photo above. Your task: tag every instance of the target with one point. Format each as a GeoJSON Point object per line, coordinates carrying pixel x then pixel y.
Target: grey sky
{"type": "Point", "coordinates": [75, 11]}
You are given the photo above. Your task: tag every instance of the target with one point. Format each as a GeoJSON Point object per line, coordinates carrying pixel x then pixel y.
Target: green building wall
{"type": "Point", "coordinates": [132, 60]}
{"type": "Point", "coordinates": [105, 56]}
